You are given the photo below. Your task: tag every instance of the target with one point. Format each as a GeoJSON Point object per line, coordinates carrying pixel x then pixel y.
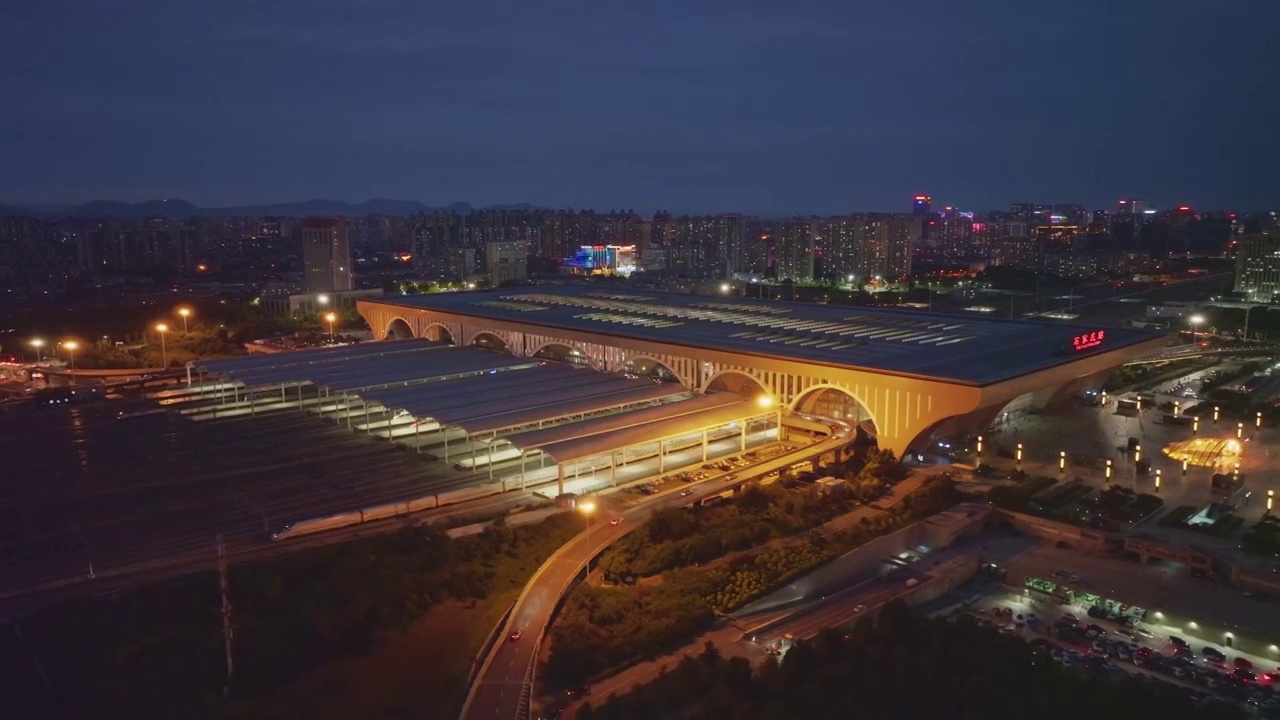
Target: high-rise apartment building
{"type": "Point", "coordinates": [326, 255]}
{"type": "Point", "coordinates": [507, 261]}
{"type": "Point", "coordinates": [1258, 266]}
{"type": "Point", "coordinates": [920, 205]}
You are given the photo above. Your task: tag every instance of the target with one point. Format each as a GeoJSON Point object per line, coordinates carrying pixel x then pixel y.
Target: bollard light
{"type": "Point", "coordinates": [1271, 496]}
{"type": "Point", "coordinates": [1062, 461]}
{"type": "Point", "coordinates": [1157, 481]}
{"type": "Point", "coordinates": [1195, 425]}
{"type": "Point", "coordinates": [1104, 397]}
{"type": "Point", "coordinates": [1239, 430]}
{"type": "Point", "coordinates": [1258, 420]}
{"type": "Point", "coordinates": [1108, 469]}
{"type": "Point", "coordinates": [1018, 456]}
{"type": "Point", "coordinates": [1215, 413]}
{"type": "Point", "coordinates": [1177, 408]}
{"type": "Point", "coordinates": [1184, 467]}
{"type": "Point", "coordinates": [979, 446]}
{"type": "Point", "coordinates": [1137, 453]}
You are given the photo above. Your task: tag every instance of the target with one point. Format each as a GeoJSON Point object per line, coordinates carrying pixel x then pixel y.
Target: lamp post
{"type": "Point", "coordinates": [1194, 321]}
{"type": "Point", "coordinates": [586, 507]}
{"type": "Point", "coordinates": [71, 346]}
{"type": "Point", "coordinates": [184, 313]}
{"type": "Point", "coordinates": [38, 344]}
{"type": "Point", "coordinates": [331, 318]}
{"type": "Point", "coordinates": [164, 352]}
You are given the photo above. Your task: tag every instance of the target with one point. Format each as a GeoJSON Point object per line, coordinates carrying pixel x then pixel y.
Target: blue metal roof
{"type": "Point", "coordinates": [970, 350]}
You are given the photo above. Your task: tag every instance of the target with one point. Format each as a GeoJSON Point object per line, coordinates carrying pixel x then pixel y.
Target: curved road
{"type": "Point", "coordinates": [502, 690]}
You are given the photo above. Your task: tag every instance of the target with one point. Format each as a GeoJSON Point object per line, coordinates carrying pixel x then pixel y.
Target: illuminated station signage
{"type": "Point", "coordinates": [1088, 341]}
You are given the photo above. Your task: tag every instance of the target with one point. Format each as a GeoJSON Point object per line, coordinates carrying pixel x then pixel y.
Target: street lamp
{"type": "Point", "coordinates": [725, 288]}
{"type": "Point", "coordinates": [587, 507]}
{"type": "Point", "coordinates": [322, 299]}
{"type": "Point", "coordinates": [185, 313]}
{"type": "Point", "coordinates": [764, 401]}
{"type": "Point", "coordinates": [1195, 321]}
{"type": "Point", "coordinates": [331, 318]}
{"type": "Point", "coordinates": [164, 353]}
{"type": "Point", "coordinates": [71, 346]}
{"type": "Point", "coordinates": [37, 343]}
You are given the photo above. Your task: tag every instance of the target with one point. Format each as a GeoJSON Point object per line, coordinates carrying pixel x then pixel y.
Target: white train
{"type": "Point", "coordinates": [400, 508]}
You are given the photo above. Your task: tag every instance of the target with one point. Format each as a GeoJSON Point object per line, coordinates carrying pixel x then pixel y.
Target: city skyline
{"type": "Point", "coordinates": [773, 111]}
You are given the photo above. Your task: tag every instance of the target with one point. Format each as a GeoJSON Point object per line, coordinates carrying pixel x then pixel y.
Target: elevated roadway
{"type": "Point", "coordinates": [503, 687]}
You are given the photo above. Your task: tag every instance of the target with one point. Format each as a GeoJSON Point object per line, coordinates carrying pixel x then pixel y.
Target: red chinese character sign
{"type": "Point", "coordinates": [1088, 341]}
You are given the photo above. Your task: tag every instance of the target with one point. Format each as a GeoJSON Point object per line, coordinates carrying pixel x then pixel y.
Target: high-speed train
{"type": "Point", "coordinates": [400, 508]}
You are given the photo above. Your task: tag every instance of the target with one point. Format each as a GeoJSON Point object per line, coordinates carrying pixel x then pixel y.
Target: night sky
{"type": "Point", "coordinates": [824, 106]}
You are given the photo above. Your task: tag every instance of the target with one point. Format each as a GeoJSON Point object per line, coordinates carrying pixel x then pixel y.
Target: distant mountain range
{"type": "Point", "coordinates": [181, 209]}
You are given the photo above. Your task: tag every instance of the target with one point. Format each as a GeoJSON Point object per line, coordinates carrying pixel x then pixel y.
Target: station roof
{"type": "Point", "coordinates": [967, 350]}
{"type": "Point", "coordinates": [401, 361]}
{"type": "Point", "coordinates": [489, 402]}
{"type": "Point", "coordinates": [594, 437]}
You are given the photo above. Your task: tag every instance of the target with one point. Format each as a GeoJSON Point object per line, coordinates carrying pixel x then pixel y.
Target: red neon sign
{"type": "Point", "coordinates": [1088, 340]}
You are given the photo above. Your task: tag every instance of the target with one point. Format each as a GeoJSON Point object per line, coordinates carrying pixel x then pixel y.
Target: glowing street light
{"type": "Point", "coordinates": [1184, 467]}
{"type": "Point", "coordinates": [1137, 453]}
{"type": "Point", "coordinates": [1018, 455]}
{"type": "Point", "coordinates": [164, 353]}
{"type": "Point", "coordinates": [725, 288]}
{"type": "Point", "coordinates": [1271, 497]}
{"type": "Point", "coordinates": [1157, 481]}
{"type": "Point", "coordinates": [1195, 321]}
{"type": "Point", "coordinates": [1239, 430]}
{"type": "Point", "coordinates": [184, 313]}
{"type": "Point", "coordinates": [979, 446]}
{"type": "Point", "coordinates": [1195, 425]}
{"type": "Point", "coordinates": [322, 299]}
{"type": "Point", "coordinates": [1177, 408]}
{"type": "Point", "coordinates": [587, 507]}
{"type": "Point", "coordinates": [71, 346]}
{"type": "Point", "coordinates": [38, 344]}
{"type": "Point", "coordinates": [331, 318]}
{"type": "Point", "coordinates": [1062, 461]}
{"type": "Point", "coordinates": [764, 401]}
{"type": "Point", "coordinates": [1215, 414]}
{"type": "Point", "coordinates": [1108, 470]}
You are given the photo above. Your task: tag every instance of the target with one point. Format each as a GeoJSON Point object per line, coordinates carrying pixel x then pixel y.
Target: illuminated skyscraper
{"type": "Point", "coordinates": [1258, 267]}
{"type": "Point", "coordinates": [920, 205]}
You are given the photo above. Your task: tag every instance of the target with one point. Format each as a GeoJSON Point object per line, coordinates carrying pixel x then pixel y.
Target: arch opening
{"type": "Point", "coordinates": [556, 352]}
{"type": "Point", "coordinates": [398, 329]}
{"type": "Point", "coordinates": [835, 403]}
{"type": "Point", "coordinates": [438, 333]}
{"type": "Point", "coordinates": [643, 367]}
{"type": "Point", "coordinates": [489, 341]}
{"type": "Point", "coordinates": [738, 383]}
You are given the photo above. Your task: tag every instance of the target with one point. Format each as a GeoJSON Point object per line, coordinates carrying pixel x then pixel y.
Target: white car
{"type": "Point", "coordinates": [859, 608]}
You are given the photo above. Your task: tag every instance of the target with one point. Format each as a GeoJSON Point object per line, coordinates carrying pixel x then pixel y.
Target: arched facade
{"type": "Point", "coordinates": [438, 332]}
{"type": "Point", "coordinates": [646, 366]}
{"type": "Point", "coordinates": [562, 352]}
{"type": "Point", "coordinates": [399, 329]}
{"type": "Point", "coordinates": [832, 401]}
{"type": "Point", "coordinates": [490, 341]}
{"type": "Point", "coordinates": [737, 382]}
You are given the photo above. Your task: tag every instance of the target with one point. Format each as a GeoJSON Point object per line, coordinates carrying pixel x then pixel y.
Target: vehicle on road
{"type": "Point", "coordinates": [1213, 653]}
{"type": "Point", "coordinates": [516, 636]}
{"type": "Point", "coordinates": [615, 521]}
{"type": "Point", "coordinates": [686, 492]}
{"type": "Point", "coordinates": [859, 608]}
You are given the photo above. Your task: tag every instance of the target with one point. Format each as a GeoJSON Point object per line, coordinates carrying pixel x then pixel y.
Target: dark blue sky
{"type": "Point", "coordinates": [771, 107]}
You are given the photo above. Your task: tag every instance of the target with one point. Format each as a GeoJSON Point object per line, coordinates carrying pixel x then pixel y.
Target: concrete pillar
{"type": "Point", "coordinates": [445, 431]}
{"type": "Point", "coordinates": [613, 470]}
{"type": "Point", "coordinates": [521, 469]}
{"type": "Point", "coordinates": [742, 444]}
{"type": "Point", "coordinates": [188, 376]}
{"type": "Point", "coordinates": [417, 436]}
{"type": "Point", "coordinates": [559, 478]}
{"type": "Point", "coordinates": [368, 430]}
{"type": "Point", "coordinates": [704, 445]}
{"type": "Point", "coordinates": [491, 460]}
{"type": "Point", "coordinates": [662, 457]}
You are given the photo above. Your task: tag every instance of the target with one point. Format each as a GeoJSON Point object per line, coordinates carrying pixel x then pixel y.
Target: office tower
{"type": "Point", "coordinates": [326, 255]}
{"type": "Point", "coordinates": [460, 264]}
{"type": "Point", "coordinates": [920, 205]}
{"type": "Point", "coordinates": [1258, 266]}
{"type": "Point", "coordinates": [507, 261]}
{"type": "Point", "coordinates": [1131, 206]}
